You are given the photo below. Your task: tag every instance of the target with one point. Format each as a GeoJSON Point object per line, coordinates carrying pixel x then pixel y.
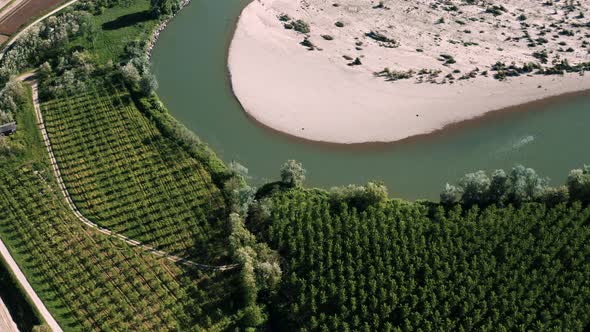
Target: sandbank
{"type": "Point", "coordinates": [317, 95]}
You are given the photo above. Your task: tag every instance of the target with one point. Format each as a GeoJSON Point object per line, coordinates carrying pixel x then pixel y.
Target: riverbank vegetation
{"type": "Point", "coordinates": [520, 185]}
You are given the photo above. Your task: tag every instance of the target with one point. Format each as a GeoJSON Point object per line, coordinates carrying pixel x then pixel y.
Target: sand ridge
{"type": "Point", "coordinates": [439, 55]}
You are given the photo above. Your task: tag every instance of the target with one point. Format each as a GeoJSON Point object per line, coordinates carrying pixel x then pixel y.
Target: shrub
{"type": "Point", "coordinates": [292, 173]}
{"type": "Point", "coordinates": [300, 26]}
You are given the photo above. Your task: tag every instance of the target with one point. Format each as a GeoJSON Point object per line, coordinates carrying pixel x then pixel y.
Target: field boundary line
{"type": "Point", "coordinates": [12, 266]}
{"type": "Point", "coordinates": [57, 174]}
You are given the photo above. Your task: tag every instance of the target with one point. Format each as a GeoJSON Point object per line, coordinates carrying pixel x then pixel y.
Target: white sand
{"type": "Point", "coordinates": [317, 96]}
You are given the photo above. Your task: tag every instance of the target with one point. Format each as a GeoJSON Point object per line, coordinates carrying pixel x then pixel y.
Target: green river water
{"type": "Point", "coordinates": [190, 61]}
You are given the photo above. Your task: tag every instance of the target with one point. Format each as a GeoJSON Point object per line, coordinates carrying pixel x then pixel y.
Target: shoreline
{"type": "Point", "coordinates": [446, 130]}
{"type": "Point", "coordinates": [161, 27]}
{"type": "Point", "coordinates": [249, 90]}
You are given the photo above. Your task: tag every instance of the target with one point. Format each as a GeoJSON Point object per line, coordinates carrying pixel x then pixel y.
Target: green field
{"type": "Point", "coordinates": [89, 281]}
{"type": "Point", "coordinates": [396, 267]}
{"type": "Point", "coordinates": [114, 28]}
{"type": "Point", "coordinates": [92, 282]}
{"type": "Point", "coordinates": [123, 174]}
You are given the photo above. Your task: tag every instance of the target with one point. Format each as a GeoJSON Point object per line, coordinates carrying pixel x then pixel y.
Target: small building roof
{"type": "Point", "coordinates": [8, 128]}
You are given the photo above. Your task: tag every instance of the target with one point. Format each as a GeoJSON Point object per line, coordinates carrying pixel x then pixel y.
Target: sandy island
{"type": "Point", "coordinates": [439, 57]}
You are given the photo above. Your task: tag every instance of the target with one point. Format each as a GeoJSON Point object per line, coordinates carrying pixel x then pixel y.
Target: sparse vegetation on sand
{"type": "Point", "coordinates": [515, 31]}
{"type": "Point", "coordinates": [494, 55]}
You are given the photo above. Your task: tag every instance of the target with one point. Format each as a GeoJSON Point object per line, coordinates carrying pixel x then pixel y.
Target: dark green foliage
{"type": "Point", "coordinates": [396, 267]}
{"type": "Point", "coordinates": [578, 183]}
{"type": "Point", "coordinates": [16, 300]}
{"type": "Point", "coordinates": [164, 8]}
{"type": "Point", "coordinates": [300, 26]}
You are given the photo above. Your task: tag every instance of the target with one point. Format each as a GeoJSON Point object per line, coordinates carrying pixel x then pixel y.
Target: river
{"type": "Point", "coordinates": [190, 62]}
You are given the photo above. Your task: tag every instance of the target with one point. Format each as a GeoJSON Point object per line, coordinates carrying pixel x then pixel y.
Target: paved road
{"type": "Point", "coordinates": [51, 322]}
{"type": "Point", "coordinates": [6, 322]}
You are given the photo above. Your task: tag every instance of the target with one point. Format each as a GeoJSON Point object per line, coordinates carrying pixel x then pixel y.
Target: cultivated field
{"type": "Point", "coordinates": [123, 174]}
{"type": "Point", "coordinates": [16, 13]}
{"type": "Point", "coordinates": [78, 272]}
{"type": "Point", "coordinates": [393, 267]}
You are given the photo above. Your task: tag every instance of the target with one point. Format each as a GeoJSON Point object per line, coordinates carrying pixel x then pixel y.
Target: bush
{"type": "Point", "coordinates": [300, 26]}
{"type": "Point", "coordinates": [475, 187]}
{"type": "Point", "coordinates": [292, 173]}
{"type": "Point", "coordinates": [361, 197]}
{"type": "Point", "coordinates": [520, 186]}
{"type": "Point", "coordinates": [578, 183]}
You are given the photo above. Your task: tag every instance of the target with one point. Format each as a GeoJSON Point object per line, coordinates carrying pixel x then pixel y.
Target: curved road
{"type": "Point", "coordinates": [51, 322]}
{"type": "Point", "coordinates": [57, 173]}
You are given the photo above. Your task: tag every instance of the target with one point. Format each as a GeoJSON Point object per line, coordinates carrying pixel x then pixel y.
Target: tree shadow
{"type": "Point", "coordinates": [127, 20]}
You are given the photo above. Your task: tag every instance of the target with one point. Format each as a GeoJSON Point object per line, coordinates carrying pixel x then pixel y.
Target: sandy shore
{"type": "Point", "coordinates": [316, 95]}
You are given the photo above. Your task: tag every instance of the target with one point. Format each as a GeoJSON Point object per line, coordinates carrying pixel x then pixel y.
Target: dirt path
{"type": "Point", "coordinates": [23, 31]}
{"type": "Point", "coordinates": [57, 173]}
{"type": "Point", "coordinates": [6, 322]}
{"type": "Point", "coordinates": [51, 322]}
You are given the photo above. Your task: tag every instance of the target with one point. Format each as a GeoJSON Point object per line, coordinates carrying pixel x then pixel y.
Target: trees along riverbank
{"type": "Point", "coordinates": [356, 260]}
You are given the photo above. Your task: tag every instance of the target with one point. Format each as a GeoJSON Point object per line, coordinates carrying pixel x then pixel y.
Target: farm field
{"type": "Point", "coordinates": [17, 13]}
{"type": "Point", "coordinates": [395, 266]}
{"type": "Point", "coordinates": [89, 281]}
{"type": "Point", "coordinates": [123, 174]}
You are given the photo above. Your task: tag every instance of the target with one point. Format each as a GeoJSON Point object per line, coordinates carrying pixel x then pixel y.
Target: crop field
{"type": "Point", "coordinates": [391, 267]}
{"type": "Point", "coordinates": [124, 175]}
{"type": "Point", "coordinates": [15, 14]}
{"type": "Point", "coordinates": [90, 281]}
